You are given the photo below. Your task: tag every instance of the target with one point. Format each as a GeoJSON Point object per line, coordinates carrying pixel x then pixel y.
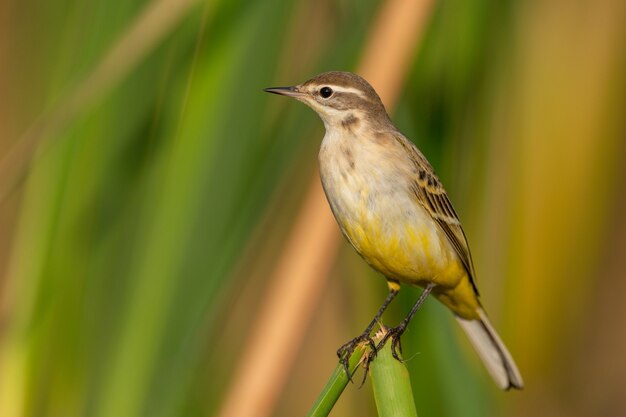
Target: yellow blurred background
{"type": "Point", "coordinates": [166, 247]}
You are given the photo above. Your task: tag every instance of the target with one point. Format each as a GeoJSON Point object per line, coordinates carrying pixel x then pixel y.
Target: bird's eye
{"type": "Point", "coordinates": [326, 92]}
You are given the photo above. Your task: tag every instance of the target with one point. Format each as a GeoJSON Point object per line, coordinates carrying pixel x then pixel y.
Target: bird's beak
{"type": "Point", "coordinates": [285, 91]}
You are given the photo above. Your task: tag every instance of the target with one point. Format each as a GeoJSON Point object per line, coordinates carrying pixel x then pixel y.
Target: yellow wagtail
{"type": "Point", "coordinates": [394, 211]}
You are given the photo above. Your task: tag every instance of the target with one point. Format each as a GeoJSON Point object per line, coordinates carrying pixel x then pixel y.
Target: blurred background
{"type": "Point", "coordinates": [166, 249]}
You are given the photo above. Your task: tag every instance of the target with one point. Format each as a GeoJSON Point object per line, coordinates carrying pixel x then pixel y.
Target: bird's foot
{"type": "Point", "coordinates": [347, 349]}
{"type": "Point", "coordinates": [393, 333]}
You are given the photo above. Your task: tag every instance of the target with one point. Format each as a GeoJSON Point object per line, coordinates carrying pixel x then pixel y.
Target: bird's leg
{"type": "Point", "coordinates": [346, 350]}
{"type": "Point", "coordinates": [396, 332]}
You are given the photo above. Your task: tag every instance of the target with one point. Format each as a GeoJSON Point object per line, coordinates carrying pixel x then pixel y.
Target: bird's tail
{"type": "Point", "coordinates": [492, 351]}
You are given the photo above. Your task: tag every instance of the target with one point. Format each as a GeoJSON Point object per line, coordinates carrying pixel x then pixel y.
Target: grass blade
{"type": "Point", "coordinates": [335, 386]}
{"type": "Point", "coordinates": [392, 385]}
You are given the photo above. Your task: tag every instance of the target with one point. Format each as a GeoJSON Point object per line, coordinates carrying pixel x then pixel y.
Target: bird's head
{"type": "Point", "coordinates": [340, 99]}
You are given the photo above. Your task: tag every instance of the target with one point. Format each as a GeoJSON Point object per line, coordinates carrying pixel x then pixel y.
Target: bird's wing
{"type": "Point", "coordinates": [432, 196]}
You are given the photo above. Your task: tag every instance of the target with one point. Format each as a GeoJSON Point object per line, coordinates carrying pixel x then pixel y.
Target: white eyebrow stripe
{"type": "Point", "coordinates": [347, 90]}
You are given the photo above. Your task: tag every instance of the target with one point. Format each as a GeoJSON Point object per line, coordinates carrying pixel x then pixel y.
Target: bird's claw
{"type": "Point", "coordinates": [347, 349]}
{"type": "Point", "coordinates": [393, 333]}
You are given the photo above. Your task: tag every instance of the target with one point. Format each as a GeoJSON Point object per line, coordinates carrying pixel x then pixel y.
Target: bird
{"type": "Point", "coordinates": [392, 208]}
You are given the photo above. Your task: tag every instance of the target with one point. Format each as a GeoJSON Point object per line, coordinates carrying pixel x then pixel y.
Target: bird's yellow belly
{"type": "Point", "coordinates": [396, 236]}
{"type": "Point", "coordinates": [408, 249]}
{"type": "Point", "coordinates": [412, 250]}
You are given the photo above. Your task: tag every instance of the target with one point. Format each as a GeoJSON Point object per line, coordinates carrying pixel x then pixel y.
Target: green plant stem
{"type": "Point", "coordinates": [390, 381]}
{"type": "Point", "coordinates": [392, 385]}
{"type": "Point", "coordinates": [335, 386]}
